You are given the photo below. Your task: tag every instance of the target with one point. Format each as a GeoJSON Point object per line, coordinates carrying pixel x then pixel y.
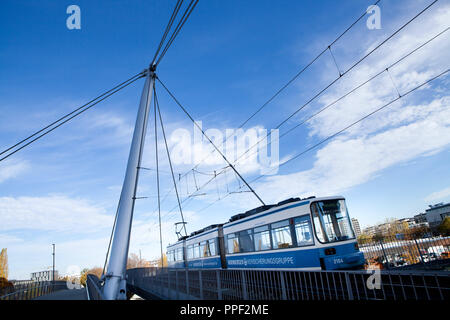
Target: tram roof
{"type": "Point", "coordinates": [251, 212]}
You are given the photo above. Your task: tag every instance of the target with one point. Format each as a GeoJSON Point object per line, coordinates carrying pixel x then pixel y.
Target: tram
{"type": "Point", "coordinates": [295, 234]}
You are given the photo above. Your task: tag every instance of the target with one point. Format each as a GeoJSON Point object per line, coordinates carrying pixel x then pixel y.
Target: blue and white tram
{"type": "Point", "coordinates": [295, 234]}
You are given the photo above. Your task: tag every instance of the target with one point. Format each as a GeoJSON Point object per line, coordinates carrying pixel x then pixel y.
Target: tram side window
{"type": "Point", "coordinates": [246, 241]}
{"type": "Point", "coordinates": [232, 243]}
{"type": "Point", "coordinates": [190, 252]}
{"type": "Point", "coordinates": [197, 250]}
{"type": "Point", "coordinates": [204, 252]}
{"type": "Point", "coordinates": [303, 231]}
{"type": "Point", "coordinates": [209, 248]}
{"type": "Point", "coordinates": [281, 234]}
{"type": "Point", "coordinates": [179, 254]}
{"type": "Point", "coordinates": [212, 247]}
{"type": "Point", "coordinates": [169, 256]}
{"type": "Point", "coordinates": [261, 237]}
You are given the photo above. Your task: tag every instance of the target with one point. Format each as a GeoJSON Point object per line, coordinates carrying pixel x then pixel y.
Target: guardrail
{"type": "Point", "coordinates": [153, 283]}
{"type": "Point", "coordinates": [27, 290]}
{"type": "Point", "coordinates": [93, 288]}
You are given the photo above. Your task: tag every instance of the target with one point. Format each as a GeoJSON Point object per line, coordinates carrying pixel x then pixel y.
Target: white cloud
{"type": "Point", "coordinates": [11, 169]}
{"type": "Point", "coordinates": [115, 128]}
{"type": "Point", "coordinates": [405, 130]}
{"type": "Point", "coordinates": [438, 195]}
{"type": "Point", "coordinates": [350, 161]}
{"type": "Point", "coordinates": [52, 213]}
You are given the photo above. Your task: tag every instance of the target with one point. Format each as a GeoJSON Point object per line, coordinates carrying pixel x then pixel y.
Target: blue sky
{"type": "Point", "coordinates": [229, 59]}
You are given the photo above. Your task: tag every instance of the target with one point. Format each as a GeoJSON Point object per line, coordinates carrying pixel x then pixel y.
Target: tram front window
{"type": "Point", "coordinates": [331, 221]}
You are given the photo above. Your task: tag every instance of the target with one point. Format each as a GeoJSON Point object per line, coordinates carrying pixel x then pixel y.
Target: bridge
{"type": "Point", "coordinates": [117, 283]}
{"type": "Point", "coordinates": [167, 284]}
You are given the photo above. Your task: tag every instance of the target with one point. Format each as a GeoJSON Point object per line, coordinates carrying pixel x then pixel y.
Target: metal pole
{"type": "Point", "coordinates": [384, 254]}
{"type": "Point", "coordinates": [115, 282]}
{"type": "Point", "coordinates": [420, 253]}
{"type": "Point", "coordinates": [53, 273]}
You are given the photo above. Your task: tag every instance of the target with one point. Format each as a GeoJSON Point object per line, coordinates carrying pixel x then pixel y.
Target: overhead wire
{"type": "Point", "coordinates": [284, 86]}
{"type": "Point", "coordinates": [348, 93]}
{"type": "Point", "coordinates": [340, 77]}
{"type": "Point", "coordinates": [298, 74]}
{"type": "Point", "coordinates": [340, 131]}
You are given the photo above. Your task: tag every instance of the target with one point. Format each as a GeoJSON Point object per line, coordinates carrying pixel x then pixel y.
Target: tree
{"type": "Point", "coordinates": [444, 227]}
{"type": "Point", "coordinates": [364, 238]}
{"type": "Point", "coordinates": [418, 232]}
{"type": "Point", "coordinates": [5, 285]}
{"type": "Point", "coordinates": [83, 276]}
{"type": "Point", "coordinates": [97, 271]}
{"type": "Point", "coordinates": [164, 264]}
{"type": "Point", "coordinates": [378, 236]}
{"type": "Point", "coordinates": [4, 264]}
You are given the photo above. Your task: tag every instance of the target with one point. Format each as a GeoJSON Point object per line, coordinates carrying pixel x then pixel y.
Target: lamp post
{"type": "Point", "coordinates": [53, 270]}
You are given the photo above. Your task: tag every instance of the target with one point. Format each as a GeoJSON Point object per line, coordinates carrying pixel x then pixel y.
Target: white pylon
{"type": "Point", "coordinates": [115, 281]}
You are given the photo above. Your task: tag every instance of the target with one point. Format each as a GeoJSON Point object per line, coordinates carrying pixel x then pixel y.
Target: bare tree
{"type": "Point", "coordinates": [134, 261]}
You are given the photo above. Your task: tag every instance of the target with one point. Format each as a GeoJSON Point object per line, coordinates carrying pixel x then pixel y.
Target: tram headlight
{"type": "Point", "coordinates": [356, 246]}
{"type": "Point", "coordinates": [330, 251]}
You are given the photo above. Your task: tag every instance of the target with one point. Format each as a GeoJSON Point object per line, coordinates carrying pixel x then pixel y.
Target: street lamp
{"type": "Point", "coordinates": [53, 271]}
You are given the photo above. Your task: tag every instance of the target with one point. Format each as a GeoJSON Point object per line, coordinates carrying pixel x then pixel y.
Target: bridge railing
{"type": "Point", "coordinates": [27, 290]}
{"type": "Point", "coordinates": [93, 288]}
{"type": "Point", "coordinates": [153, 283]}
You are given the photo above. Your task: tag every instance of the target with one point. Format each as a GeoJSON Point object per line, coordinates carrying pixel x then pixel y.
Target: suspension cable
{"type": "Point", "coordinates": [168, 27]}
{"type": "Point", "coordinates": [73, 114]}
{"type": "Point", "coordinates": [210, 141]}
{"type": "Point", "coordinates": [180, 25]}
{"type": "Point", "coordinates": [168, 157]}
{"type": "Point", "coordinates": [157, 182]}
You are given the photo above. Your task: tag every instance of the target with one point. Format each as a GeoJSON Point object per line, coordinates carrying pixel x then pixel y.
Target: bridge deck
{"type": "Point", "coordinates": [74, 294]}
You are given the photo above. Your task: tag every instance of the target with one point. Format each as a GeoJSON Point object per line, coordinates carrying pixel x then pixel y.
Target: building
{"type": "Point", "coordinates": [410, 223]}
{"type": "Point", "coordinates": [356, 227]}
{"type": "Point", "coordinates": [420, 218]}
{"type": "Point", "coordinates": [43, 275]}
{"type": "Point", "coordinates": [437, 213]}
{"type": "Point", "coordinates": [432, 218]}
{"type": "Point", "coordinates": [370, 231]}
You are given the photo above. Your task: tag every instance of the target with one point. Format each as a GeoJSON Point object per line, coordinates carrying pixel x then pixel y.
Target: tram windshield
{"type": "Point", "coordinates": [331, 221]}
